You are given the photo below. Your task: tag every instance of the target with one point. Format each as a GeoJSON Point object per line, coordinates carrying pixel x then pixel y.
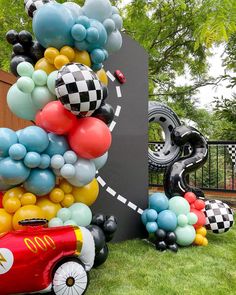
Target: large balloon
{"type": "Point", "coordinates": [58, 145]}
{"type": "Point", "coordinates": [179, 205]}
{"type": "Point", "coordinates": [52, 26]}
{"type": "Point", "coordinates": [114, 42]}
{"type": "Point", "coordinates": [98, 236]}
{"type": "Point", "coordinates": [99, 9]}
{"type": "Point", "coordinates": [74, 8]}
{"type": "Point", "coordinates": [7, 138]}
{"type": "Point", "coordinates": [81, 214]}
{"type": "Point", "coordinates": [90, 138]}
{"type": "Point", "coordinates": [105, 113]}
{"type": "Point", "coordinates": [185, 235]}
{"type": "Point", "coordinates": [101, 257]}
{"type": "Point", "coordinates": [86, 194]}
{"type": "Point", "coordinates": [5, 221]}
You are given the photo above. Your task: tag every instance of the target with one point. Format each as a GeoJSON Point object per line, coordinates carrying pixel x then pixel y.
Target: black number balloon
{"type": "Point", "coordinates": [175, 182]}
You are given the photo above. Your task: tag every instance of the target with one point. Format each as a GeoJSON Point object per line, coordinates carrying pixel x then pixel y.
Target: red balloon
{"type": "Point", "coordinates": [90, 138]}
{"type": "Point", "coordinates": [55, 118]}
{"type": "Point", "coordinates": [1, 197]}
{"type": "Point", "coordinates": [201, 218]}
{"type": "Point", "coordinates": [199, 204]}
{"type": "Point", "coordinates": [190, 197]}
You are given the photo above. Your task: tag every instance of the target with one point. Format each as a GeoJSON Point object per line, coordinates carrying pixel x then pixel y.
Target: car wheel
{"type": "Point", "coordinates": [70, 278]}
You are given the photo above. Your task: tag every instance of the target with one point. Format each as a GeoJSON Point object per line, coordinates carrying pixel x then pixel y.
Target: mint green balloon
{"type": "Point", "coordinates": [21, 104]}
{"type": "Point", "coordinates": [192, 218]}
{"type": "Point", "coordinates": [54, 222]}
{"type": "Point", "coordinates": [40, 78]}
{"type": "Point", "coordinates": [25, 84]}
{"type": "Point", "coordinates": [81, 214]}
{"type": "Point", "coordinates": [185, 235]}
{"type": "Point", "coordinates": [64, 214]}
{"type": "Point", "coordinates": [70, 222]}
{"type": "Point", "coordinates": [182, 220]}
{"type": "Point", "coordinates": [52, 81]}
{"type": "Point", "coordinates": [41, 96]}
{"type": "Point", "coordinates": [179, 205]}
{"type": "Point", "coordinates": [25, 69]}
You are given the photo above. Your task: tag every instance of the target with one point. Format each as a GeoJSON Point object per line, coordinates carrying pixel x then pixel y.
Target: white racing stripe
{"type": "Point", "coordinates": [118, 92]}
{"type": "Point", "coordinates": [110, 76]}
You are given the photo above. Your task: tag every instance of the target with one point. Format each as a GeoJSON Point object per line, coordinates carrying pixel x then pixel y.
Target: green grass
{"type": "Point", "coordinates": [136, 268]}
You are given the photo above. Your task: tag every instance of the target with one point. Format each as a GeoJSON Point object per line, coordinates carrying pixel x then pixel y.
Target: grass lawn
{"type": "Point", "coordinates": [136, 268]}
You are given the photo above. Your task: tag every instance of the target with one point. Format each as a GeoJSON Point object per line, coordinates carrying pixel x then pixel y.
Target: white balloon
{"type": "Point", "coordinates": [97, 9]}
{"type": "Point", "coordinates": [74, 8]}
{"type": "Point", "coordinates": [114, 42]}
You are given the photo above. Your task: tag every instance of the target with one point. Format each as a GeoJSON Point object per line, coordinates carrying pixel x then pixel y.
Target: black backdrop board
{"type": "Point", "coordinates": [124, 178]}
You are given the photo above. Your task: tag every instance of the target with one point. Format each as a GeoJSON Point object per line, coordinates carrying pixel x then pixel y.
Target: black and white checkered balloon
{"type": "Point", "coordinates": [79, 89]}
{"type": "Point", "coordinates": [32, 5]}
{"type": "Point", "coordinates": [219, 216]}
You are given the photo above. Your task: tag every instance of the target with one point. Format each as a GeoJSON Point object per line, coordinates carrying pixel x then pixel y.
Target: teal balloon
{"type": "Point", "coordinates": [151, 227]}
{"type": "Point", "coordinates": [42, 96]}
{"type": "Point", "coordinates": [64, 214]}
{"type": "Point", "coordinates": [144, 216]}
{"type": "Point", "coordinates": [99, 9]}
{"type": "Point", "coordinates": [32, 160]}
{"type": "Point", "coordinates": [54, 222]}
{"type": "Point", "coordinates": [85, 172]}
{"type": "Point", "coordinates": [57, 162]}
{"type": "Point", "coordinates": [40, 182]}
{"type": "Point", "coordinates": [101, 161]}
{"type": "Point", "coordinates": [45, 161]}
{"type": "Point", "coordinates": [17, 151]}
{"type": "Point", "coordinates": [25, 84]}
{"type": "Point", "coordinates": [21, 104]}
{"type": "Point", "coordinates": [92, 35]}
{"type": "Point", "coordinates": [167, 220]}
{"type": "Point", "coordinates": [97, 56]}
{"type": "Point", "coordinates": [52, 26]}
{"type": "Point", "coordinates": [151, 215]}
{"type": "Point", "coordinates": [179, 205]}
{"type": "Point", "coordinates": [81, 214]}
{"type": "Point", "coordinates": [58, 145]}
{"type": "Point", "coordinates": [25, 69]}
{"type": "Point", "coordinates": [96, 67]}
{"type": "Point", "coordinates": [158, 202]}
{"type": "Point", "coordinates": [51, 82]}
{"type": "Point", "coordinates": [4, 187]}
{"type": "Point", "coordinates": [185, 235]}
{"type": "Point", "coordinates": [182, 220]}
{"type": "Point", "coordinates": [109, 25]}
{"type": "Point", "coordinates": [40, 78]}
{"type": "Point", "coordinates": [13, 172]}
{"type": "Point", "coordinates": [34, 138]}
{"type": "Point", "coordinates": [84, 21]}
{"type": "Point", "coordinates": [114, 42]}
{"type": "Point", "coordinates": [70, 157]}
{"type": "Point", "coordinates": [68, 171]}
{"type": "Point", "coordinates": [192, 218]}
{"type": "Point", "coordinates": [78, 32]}
{"type": "Point", "coordinates": [8, 137]}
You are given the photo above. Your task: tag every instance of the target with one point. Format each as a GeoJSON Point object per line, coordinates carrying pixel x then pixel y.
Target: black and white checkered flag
{"type": "Point", "coordinates": [232, 152]}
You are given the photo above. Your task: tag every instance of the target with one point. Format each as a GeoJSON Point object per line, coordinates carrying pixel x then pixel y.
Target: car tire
{"type": "Point", "coordinates": [168, 120]}
{"type": "Point", "coordinates": [70, 278]}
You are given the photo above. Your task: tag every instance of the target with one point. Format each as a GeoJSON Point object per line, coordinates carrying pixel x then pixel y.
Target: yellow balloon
{"type": "Point", "coordinates": [26, 212]}
{"type": "Point", "coordinates": [87, 194]}
{"type": "Point", "coordinates": [205, 242]}
{"type": "Point", "coordinates": [60, 61]}
{"type": "Point", "coordinates": [66, 186]}
{"type": "Point", "coordinates": [13, 192]}
{"type": "Point", "coordinates": [28, 199]}
{"type": "Point", "coordinates": [44, 65]}
{"type": "Point", "coordinates": [5, 221]}
{"type": "Point", "coordinates": [68, 200]}
{"type": "Point", "coordinates": [198, 239]}
{"type": "Point", "coordinates": [11, 205]}
{"type": "Point", "coordinates": [82, 57]}
{"type": "Point", "coordinates": [50, 54]}
{"type": "Point", "coordinates": [102, 76]}
{"type": "Point", "coordinates": [202, 231]}
{"type": "Point", "coordinates": [49, 208]}
{"type": "Point", "coordinates": [68, 52]}
{"type": "Point", "coordinates": [56, 195]}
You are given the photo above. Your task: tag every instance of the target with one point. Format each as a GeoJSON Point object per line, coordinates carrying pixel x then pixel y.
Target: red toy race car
{"type": "Point", "coordinates": [120, 76]}
{"type": "Point", "coordinates": [41, 259]}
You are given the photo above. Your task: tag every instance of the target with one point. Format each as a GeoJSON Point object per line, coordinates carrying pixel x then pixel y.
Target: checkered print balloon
{"type": "Point", "coordinates": [219, 216]}
{"type": "Point", "coordinates": [79, 89]}
{"type": "Point", "coordinates": [32, 5]}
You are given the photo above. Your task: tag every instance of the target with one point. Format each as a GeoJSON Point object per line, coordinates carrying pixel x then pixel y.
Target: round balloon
{"type": "Point", "coordinates": [58, 145]}
{"type": "Point", "coordinates": [31, 6]}
{"type": "Point", "coordinates": [158, 202]}
{"type": "Point", "coordinates": [99, 9]}
{"type": "Point", "coordinates": [179, 205]}
{"type": "Point", "coordinates": [8, 138]}
{"type": "Point", "coordinates": [81, 214]}
{"type": "Point", "coordinates": [86, 194]}
{"type": "Point", "coordinates": [5, 221]}
{"type": "Point", "coordinates": [185, 235]}
{"type": "Point", "coordinates": [48, 207]}
{"type": "Point", "coordinates": [167, 220]}
{"type": "Point", "coordinates": [26, 212]}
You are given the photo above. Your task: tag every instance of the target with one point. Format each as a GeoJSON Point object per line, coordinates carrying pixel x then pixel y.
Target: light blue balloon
{"type": "Point", "coordinates": [25, 84]}
{"type": "Point", "coordinates": [78, 32]}
{"type": "Point", "coordinates": [151, 227]}
{"type": "Point", "coordinates": [81, 45]}
{"type": "Point", "coordinates": [99, 9]}
{"type": "Point", "coordinates": [151, 215]}
{"type": "Point", "coordinates": [81, 214]}
{"type": "Point", "coordinates": [74, 8]}
{"type": "Point", "coordinates": [52, 26]}
{"type": "Point", "coordinates": [185, 235]}
{"type": "Point", "coordinates": [68, 171]}
{"type": "Point", "coordinates": [58, 145]}
{"type": "Point", "coordinates": [70, 222]}
{"type": "Point", "coordinates": [96, 67]}
{"type": "Point", "coordinates": [118, 21]}
{"type": "Point", "coordinates": [144, 216]}
{"type": "Point", "coordinates": [84, 21]}
{"type": "Point", "coordinates": [115, 10]}
{"type": "Point", "coordinates": [54, 222]}
{"type": "Point", "coordinates": [34, 138]}
{"type": "Point", "coordinates": [64, 214]}
{"type": "Point", "coordinates": [21, 104]}
{"type": "Point", "coordinates": [57, 172]}
{"type": "Point", "coordinates": [51, 82]}
{"type": "Point", "coordinates": [42, 96]}
{"type": "Point", "coordinates": [109, 25]}
{"type": "Point", "coordinates": [17, 151]}
{"type": "Point", "coordinates": [167, 220]}
{"type": "Point", "coordinates": [114, 42]}
{"type": "Point", "coordinates": [57, 161]}
{"type": "Point", "coordinates": [101, 161]}
{"type": "Point", "coordinates": [8, 137]}
{"type": "Point", "coordinates": [70, 157]}
{"type": "Point", "coordinates": [32, 160]}
{"type": "Point", "coordinates": [158, 202]}
{"type": "Point", "coordinates": [45, 161]}
{"type": "Point", "coordinates": [92, 35]}
{"type": "Point", "coordinates": [97, 56]}
{"type": "Point", "coordinates": [85, 172]}
{"type": "Point", "coordinates": [40, 182]}
{"type": "Point", "coordinates": [13, 172]}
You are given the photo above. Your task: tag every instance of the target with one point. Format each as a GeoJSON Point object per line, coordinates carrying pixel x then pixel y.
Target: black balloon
{"type": "Point", "coordinates": [170, 238]}
{"type": "Point", "coordinates": [161, 246]}
{"type": "Point", "coordinates": [105, 113]}
{"type": "Point", "coordinates": [112, 217]}
{"type": "Point", "coordinates": [17, 60]}
{"type": "Point", "coordinates": [101, 257]}
{"type": "Point", "coordinates": [18, 49]}
{"type": "Point", "coordinates": [109, 237]}
{"type": "Point", "coordinates": [36, 51]}
{"type": "Point", "coordinates": [160, 235]}
{"type": "Point", "coordinates": [105, 91]}
{"type": "Point", "coordinates": [110, 227]}
{"type": "Point", "coordinates": [98, 219]}
{"type": "Point", "coordinates": [175, 177]}
{"type": "Point", "coordinates": [25, 37]}
{"type": "Point", "coordinates": [12, 37]}
{"type": "Point", "coordinates": [98, 236]}
{"type": "Point", "coordinates": [173, 247]}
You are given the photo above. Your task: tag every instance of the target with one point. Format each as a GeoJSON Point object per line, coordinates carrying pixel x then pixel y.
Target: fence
{"type": "Point", "coordinates": [217, 174]}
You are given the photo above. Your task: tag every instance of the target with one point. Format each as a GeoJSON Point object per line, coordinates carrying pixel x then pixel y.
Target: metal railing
{"type": "Point", "coordinates": [217, 174]}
